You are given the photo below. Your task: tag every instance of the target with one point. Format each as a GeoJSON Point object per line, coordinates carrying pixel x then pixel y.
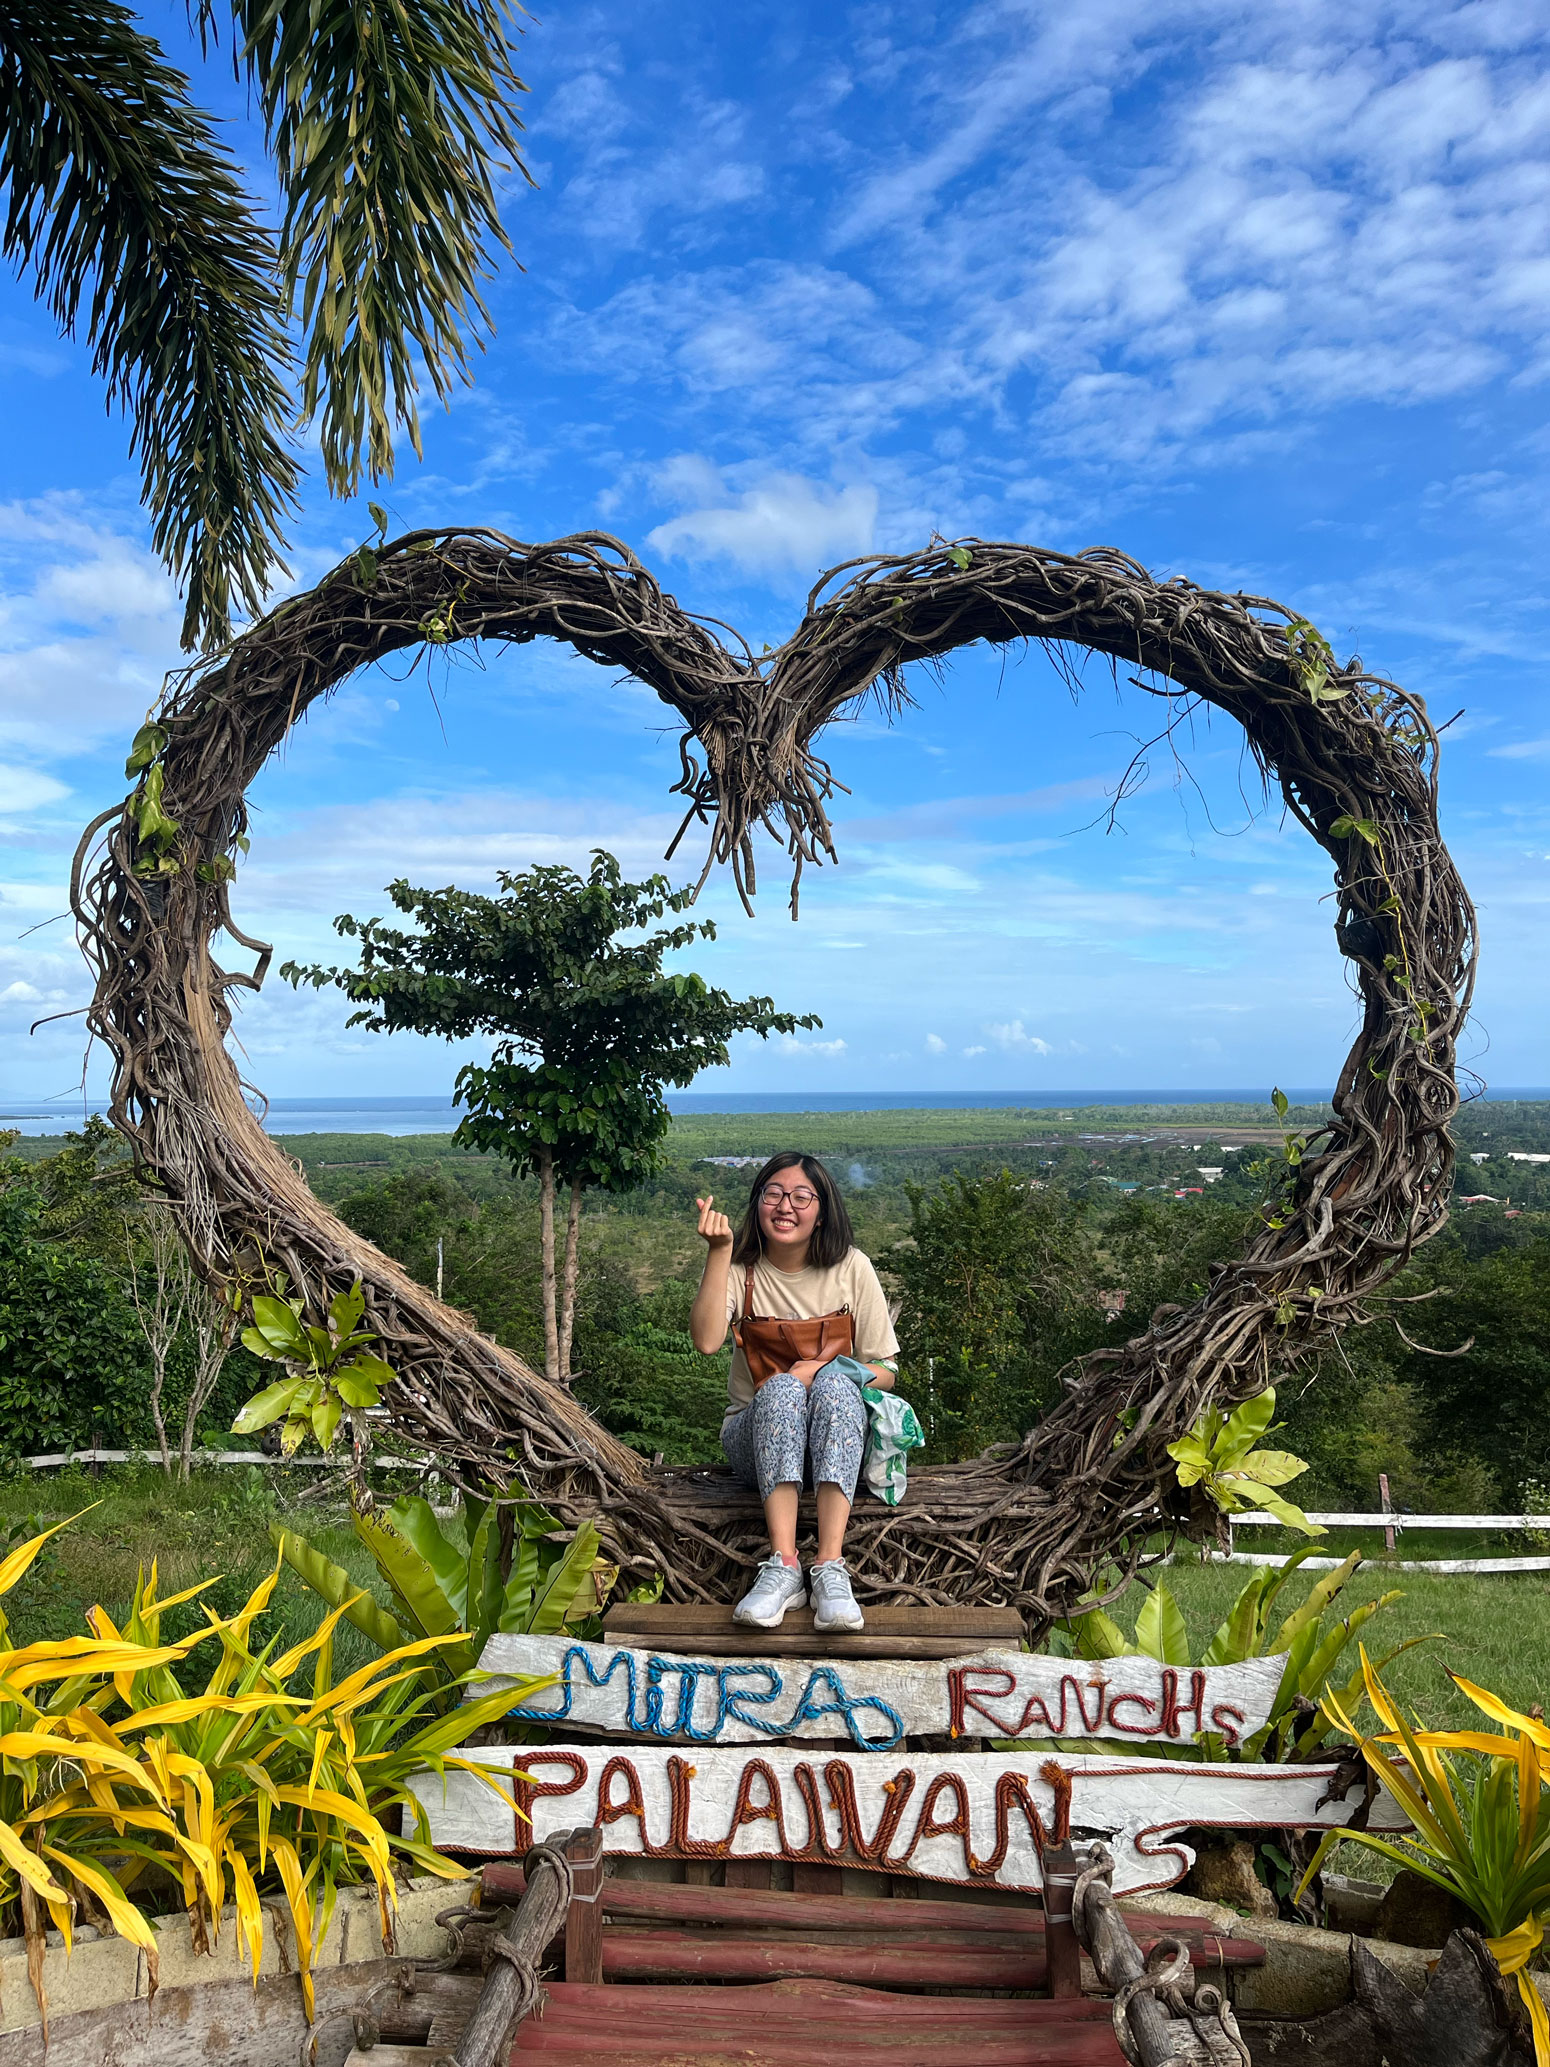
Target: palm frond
{"type": "Point", "coordinates": [127, 209]}
{"type": "Point", "coordinates": [390, 125]}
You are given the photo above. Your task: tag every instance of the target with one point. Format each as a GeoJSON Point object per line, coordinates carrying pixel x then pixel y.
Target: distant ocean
{"type": "Point", "coordinates": [440, 1116]}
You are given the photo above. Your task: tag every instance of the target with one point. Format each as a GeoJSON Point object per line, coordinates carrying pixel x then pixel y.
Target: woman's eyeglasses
{"type": "Point", "coordinates": [801, 1198]}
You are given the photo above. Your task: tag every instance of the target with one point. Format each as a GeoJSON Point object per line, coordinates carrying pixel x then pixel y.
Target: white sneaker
{"type": "Point", "coordinates": [834, 1605]}
{"type": "Point", "coordinates": [778, 1587]}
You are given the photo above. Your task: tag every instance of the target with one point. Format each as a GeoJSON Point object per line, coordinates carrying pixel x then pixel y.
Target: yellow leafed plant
{"type": "Point", "coordinates": [1480, 1808]}
{"type": "Point", "coordinates": [124, 1786]}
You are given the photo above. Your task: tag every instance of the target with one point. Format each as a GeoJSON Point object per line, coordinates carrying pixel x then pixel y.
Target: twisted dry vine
{"type": "Point", "coordinates": [1032, 1526]}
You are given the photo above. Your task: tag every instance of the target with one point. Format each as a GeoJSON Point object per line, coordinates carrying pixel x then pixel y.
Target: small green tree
{"type": "Point", "coordinates": [589, 1029]}
{"type": "Point", "coordinates": [997, 1285]}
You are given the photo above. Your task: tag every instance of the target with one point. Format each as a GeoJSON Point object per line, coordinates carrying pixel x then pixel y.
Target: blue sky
{"type": "Point", "coordinates": [1258, 295]}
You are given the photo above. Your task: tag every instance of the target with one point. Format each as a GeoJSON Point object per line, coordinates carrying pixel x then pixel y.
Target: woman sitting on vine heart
{"type": "Point", "coordinates": [796, 1294]}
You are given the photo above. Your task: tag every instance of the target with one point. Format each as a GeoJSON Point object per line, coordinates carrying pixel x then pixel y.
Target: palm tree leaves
{"type": "Point", "coordinates": [390, 126]}
{"type": "Point", "coordinates": [128, 212]}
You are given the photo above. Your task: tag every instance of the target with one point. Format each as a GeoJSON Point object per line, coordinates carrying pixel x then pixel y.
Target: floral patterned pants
{"type": "Point", "coordinates": [793, 1432]}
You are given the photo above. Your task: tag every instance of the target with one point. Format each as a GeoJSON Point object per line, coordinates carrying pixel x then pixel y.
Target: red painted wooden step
{"type": "Point", "coordinates": [908, 1959]}
{"type": "Point", "coordinates": [668, 1902]}
{"type": "Point", "coordinates": [795, 2023]}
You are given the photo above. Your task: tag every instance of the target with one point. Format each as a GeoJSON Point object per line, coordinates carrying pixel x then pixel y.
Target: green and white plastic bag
{"type": "Point", "coordinates": [892, 1432]}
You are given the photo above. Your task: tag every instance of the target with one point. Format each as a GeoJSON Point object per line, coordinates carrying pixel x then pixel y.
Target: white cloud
{"type": "Point", "coordinates": [1521, 750]}
{"type": "Point", "coordinates": [20, 992]}
{"type": "Point", "coordinates": [27, 789]}
{"type": "Point", "coordinates": [935, 1045]}
{"type": "Point", "coordinates": [980, 1050]}
{"type": "Point", "coordinates": [1015, 1038]}
{"type": "Point", "coordinates": [88, 627]}
{"type": "Point", "coordinates": [781, 524]}
{"type": "Point", "coordinates": [790, 1045]}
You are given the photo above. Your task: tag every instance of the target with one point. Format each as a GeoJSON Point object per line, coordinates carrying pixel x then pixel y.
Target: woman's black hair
{"type": "Point", "coordinates": [832, 1239]}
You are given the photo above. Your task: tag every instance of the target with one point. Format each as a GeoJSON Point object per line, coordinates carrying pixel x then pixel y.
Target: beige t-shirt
{"type": "Point", "coordinates": [804, 1295]}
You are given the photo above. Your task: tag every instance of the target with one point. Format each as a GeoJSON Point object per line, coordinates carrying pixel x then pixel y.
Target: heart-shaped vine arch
{"type": "Point", "coordinates": [1032, 1525]}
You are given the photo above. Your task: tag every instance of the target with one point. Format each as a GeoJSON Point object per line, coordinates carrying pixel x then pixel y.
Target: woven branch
{"type": "Point", "coordinates": [1034, 1525]}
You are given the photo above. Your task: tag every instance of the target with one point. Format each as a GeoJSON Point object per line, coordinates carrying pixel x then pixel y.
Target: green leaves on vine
{"type": "Point", "coordinates": [1219, 1456]}
{"type": "Point", "coordinates": [157, 831]}
{"type": "Point", "coordinates": [147, 743]}
{"type": "Point", "coordinates": [328, 1369]}
{"type": "Point", "coordinates": [367, 555]}
{"type": "Point", "coordinates": [1313, 661]}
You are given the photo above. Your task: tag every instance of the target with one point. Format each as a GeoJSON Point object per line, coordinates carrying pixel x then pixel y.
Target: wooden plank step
{"type": "Point", "coordinates": [648, 1955]}
{"type": "Point", "coordinates": [757, 1908]}
{"type": "Point", "coordinates": [795, 2023]}
{"type": "Point", "coordinates": [803, 2044]}
{"type": "Point", "coordinates": [709, 1631]}
{"type": "Point", "coordinates": [843, 2004]}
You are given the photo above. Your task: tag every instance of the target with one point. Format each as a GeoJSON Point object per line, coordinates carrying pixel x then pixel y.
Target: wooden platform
{"type": "Point", "coordinates": [798, 2023]}
{"type": "Point", "coordinates": [890, 1632]}
{"type": "Point", "coordinates": [710, 1916]}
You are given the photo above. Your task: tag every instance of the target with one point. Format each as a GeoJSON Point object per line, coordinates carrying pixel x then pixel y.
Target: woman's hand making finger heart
{"type": "Point", "coordinates": [714, 1227]}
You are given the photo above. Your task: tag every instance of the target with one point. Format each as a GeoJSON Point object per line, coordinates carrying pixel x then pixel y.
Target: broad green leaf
{"type": "Point", "coordinates": [267, 1406]}
{"type": "Point", "coordinates": [1099, 1636]}
{"type": "Point", "coordinates": [355, 1390]}
{"type": "Point", "coordinates": [553, 1600]}
{"type": "Point", "coordinates": [276, 1321]}
{"type": "Point", "coordinates": [1160, 1630]}
{"type": "Point", "coordinates": [535, 1521]}
{"type": "Point", "coordinates": [1192, 1457]}
{"type": "Point", "coordinates": [1279, 1577]}
{"type": "Point", "coordinates": [415, 1521]}
{"type": "Point", "coordinates": [147, 743]}
{"type": "Point", "coordinates": [1289, 1516]}
{"type": "Point", "coordinates": [371, 1369]}
{"type": "Point", "coordinates": [295, 1433]}
{"type": "Point", "coordinates": [1273, 1467]}
{"type": "Point", "coordinates": [1237, 1639]}
{"type": "Point", "coordinates": [345, 1310]}
{"type": "Point", "coordinates": [1318, 1598]}
{"type": "Point", "coordinates": [333, 1584]}
{"type": "Point", "coordinates": [325, 1421]}
{"type": "Point", "coordinates": [414, 1583]}
{"type": "Point", "coordinates": [517, 1600]}
{"type": "Point", "coordinates": [1244, 1427]}
{"type": "Point", "coordinates": [482, 1523]}
{"type": "Point", "coordinates": [1302, 1648]}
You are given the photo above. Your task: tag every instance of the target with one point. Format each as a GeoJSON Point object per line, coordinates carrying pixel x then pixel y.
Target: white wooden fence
{"type": "Point", "coordinates": [1394, 1524]}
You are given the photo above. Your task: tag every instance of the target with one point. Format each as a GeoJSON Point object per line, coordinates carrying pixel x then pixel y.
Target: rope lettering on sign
{"type": "Point", "coordinates": [879, 1702]}
{"type": "Point", "coordinates": [984, 1818]}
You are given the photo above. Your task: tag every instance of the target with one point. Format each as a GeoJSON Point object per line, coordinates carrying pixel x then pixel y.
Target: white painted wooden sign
{"type": "Point", "coordinates": [877, 1703]}
{"type": "Point", "coordinates": [977, 1817]}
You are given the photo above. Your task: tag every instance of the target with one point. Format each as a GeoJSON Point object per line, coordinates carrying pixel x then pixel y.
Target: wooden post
{"type": "Point", "coordinates": [584, 1919]}
{"type": "Point", "coordinates": [507, 1992]}
{"type": "Point", "coordinates": [750, 1873]}
{"type": "Point", "coordinates": [1383, 1495]}
{"type": "Point", "coordinates": [1117, 1958]}
{"type": "Point", "coordinates": [1061, 1945]}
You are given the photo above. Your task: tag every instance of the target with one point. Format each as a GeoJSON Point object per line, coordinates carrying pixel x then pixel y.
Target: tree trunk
{"type": "Point", "coordinates": [568, 1283]}
{"type": "Point", "coordinates": [546, 1222]}
{"type": "Point", "coordinates": [214, 1325]}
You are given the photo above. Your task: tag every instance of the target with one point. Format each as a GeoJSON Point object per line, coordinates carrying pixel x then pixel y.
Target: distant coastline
{"type": "Point", "coordinates": [440, 1116]}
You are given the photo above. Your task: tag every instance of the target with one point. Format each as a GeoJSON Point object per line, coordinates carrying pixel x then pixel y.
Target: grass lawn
{"type": "Point", "coordinates": [1494, 1630]}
